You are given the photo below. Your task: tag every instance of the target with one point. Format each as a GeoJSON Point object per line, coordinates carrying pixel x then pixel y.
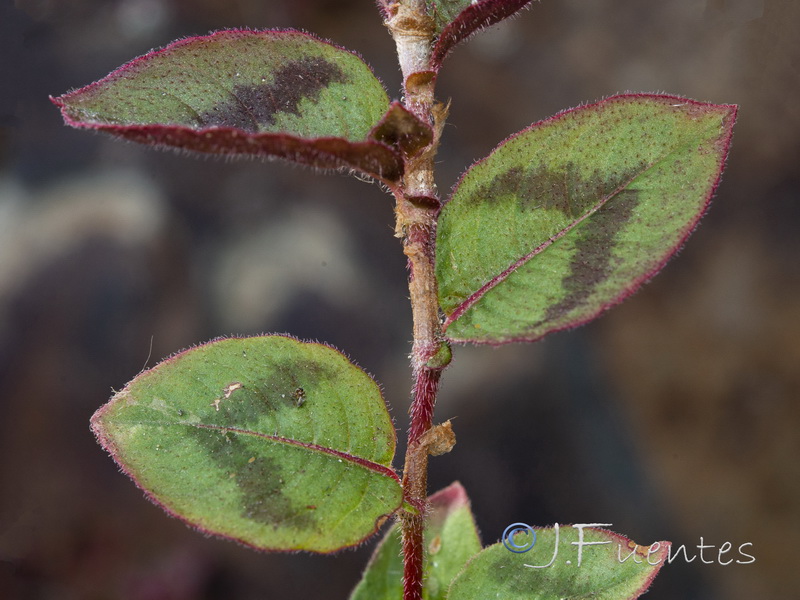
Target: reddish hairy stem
{"type": "Point", "coordinates": [418, 246]}
{"type": "Point", "coordinates": [415, 481]}
{"type": "Point", "coordinates": [425, 389]}
{"type": "Point", "coordinates": [416, 211]}
{"type": "Point", "coordinates": [413, 556]}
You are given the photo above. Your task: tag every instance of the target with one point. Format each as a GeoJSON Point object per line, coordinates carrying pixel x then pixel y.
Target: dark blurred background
{"type": "Point", "coordinates": [675, 416]}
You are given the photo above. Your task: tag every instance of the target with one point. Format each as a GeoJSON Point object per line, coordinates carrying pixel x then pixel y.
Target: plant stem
{"type": "Point", "coordinates": [416, 211]}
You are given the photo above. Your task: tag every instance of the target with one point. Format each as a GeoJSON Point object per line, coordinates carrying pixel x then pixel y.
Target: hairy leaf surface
{"type": "Point", "coordinates": [265, 93]}
{"type": "Point", "coordinates": [451, 538]}
{"type": "Point", "coordinates": [276, 443]}
{"type": "Point", "coordinates": [572, 215]}
{"type": "Point", "coordinates": [609, 567]}
{"type": "Point", "coordinates": [458, 19]}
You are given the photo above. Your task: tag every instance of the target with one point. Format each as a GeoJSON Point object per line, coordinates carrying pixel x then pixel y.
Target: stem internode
{"type": "Point", "coordinates": [416, 211]}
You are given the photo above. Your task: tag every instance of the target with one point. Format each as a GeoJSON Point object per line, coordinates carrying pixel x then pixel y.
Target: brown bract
{"type": "Point", "coordinates": [401, 128]}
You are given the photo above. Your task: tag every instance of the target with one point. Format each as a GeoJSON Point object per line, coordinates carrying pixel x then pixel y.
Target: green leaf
{"type": "Point", "coordinates": [451, 539]}
{"type": "Point", "coordinates": [383, 578]}
{"type": "Point", "coordinates": [564, 563]}
{"type": "Point", "coordinates": [273, 442]}
{"type": "Point", "coordinates": [572, 215]}
{"type": "Point", "coordinates": [263, 93]}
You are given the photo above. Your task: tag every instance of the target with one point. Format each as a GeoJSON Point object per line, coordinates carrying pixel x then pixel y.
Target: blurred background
{"type": "Point", "coordinates": [675, 416]}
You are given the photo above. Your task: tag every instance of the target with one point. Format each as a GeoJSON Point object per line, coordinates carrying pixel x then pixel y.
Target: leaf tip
{"type": "Point", "coordinates": [453, 496]}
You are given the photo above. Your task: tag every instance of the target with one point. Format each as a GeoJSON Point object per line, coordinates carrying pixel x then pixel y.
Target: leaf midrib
{"type": "Point", "coordinates": [358, 460]}
{"type": "Point", "coordinates": [371, 465]}
{"type": "Point", "coordinates": [473, 298]}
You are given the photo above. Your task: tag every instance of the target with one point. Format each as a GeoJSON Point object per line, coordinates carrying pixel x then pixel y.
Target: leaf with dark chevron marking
{"type": "Point", "coordinates": [573, 214]}
{"type": "Point", "coordinates": [276, 443]}
{"type": "Point", "coordinates": [280, 94]}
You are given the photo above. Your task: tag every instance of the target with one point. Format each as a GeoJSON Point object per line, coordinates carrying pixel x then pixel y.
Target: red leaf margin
{"type": "Point", "coordinates": [108, 444]}
{"type": "Point", "coordinates": [724, 144]}
{"type": "Point", "coordinates": [471, 20]}
{"type": "Point", "coordinates": [370, 157]}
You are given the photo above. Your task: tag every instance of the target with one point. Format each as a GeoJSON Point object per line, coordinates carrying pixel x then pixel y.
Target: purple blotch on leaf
{"type": "Point", "coordinates": [255, 106]}
{"type": "Point", "coordinates": [260, 481]}
{"type": "Point", "coordinates": [591, 264]}
{"type": "Point", "coordinates": [562, 189]}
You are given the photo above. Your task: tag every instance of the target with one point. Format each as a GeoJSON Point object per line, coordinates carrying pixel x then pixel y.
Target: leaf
{"type": "Point", "coordinates": [383, 578]}
{"type": "Point", "coordinates": [263, 93]}
{"type": "Point", "coordinates": [451, 539]}
{"type": "Point", "coordinates": [273, 442]}
{"type": "Point", "coordinates": [573, 214]}
{"type": "Point", "coordinates": [565, 562]}
{"type": "Point", "coordinates": [459, 19]}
